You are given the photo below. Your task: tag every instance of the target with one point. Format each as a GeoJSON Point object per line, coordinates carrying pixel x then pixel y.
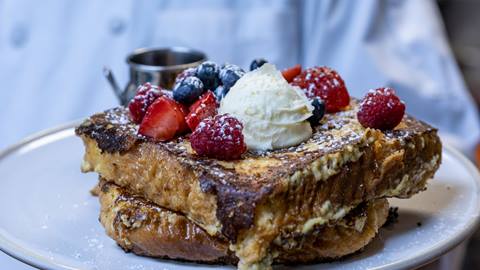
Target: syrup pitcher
{"type": "Point", "coordinates": [157, 66]}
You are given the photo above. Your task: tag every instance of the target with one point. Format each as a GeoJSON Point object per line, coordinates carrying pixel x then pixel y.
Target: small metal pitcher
{"type": "Point", "coordinates": [158, 66]}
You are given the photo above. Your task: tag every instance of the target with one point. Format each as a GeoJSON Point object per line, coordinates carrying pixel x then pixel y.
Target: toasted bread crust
{"type": "Point", "coordinates": [263, 196]}
{"type": "Point", "coordinates": [146, 229]}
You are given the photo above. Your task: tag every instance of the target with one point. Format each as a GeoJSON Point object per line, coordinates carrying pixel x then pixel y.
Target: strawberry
{"type": "Point", "coordinates": [181, 117]}
{"type": "Point", "coordinates": [291, 73]}
{"type": "Point", "coordinates": [164, 119]}
{"type": "Point", "coordinates": [205, 107]}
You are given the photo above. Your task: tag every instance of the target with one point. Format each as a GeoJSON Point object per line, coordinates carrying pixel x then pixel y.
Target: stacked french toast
{"type": "Point", "coordinates": [254, 168]}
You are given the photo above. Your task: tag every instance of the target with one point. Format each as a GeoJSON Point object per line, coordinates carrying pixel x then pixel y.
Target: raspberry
{"type": "Point", "coordinates": [325, 83]}
{"type": "Point", "coordinates": [219, 137]}
{"type": "Point", "coordinates": [381, 109]}
{"type": "Point", "coordinates": [146, 95]}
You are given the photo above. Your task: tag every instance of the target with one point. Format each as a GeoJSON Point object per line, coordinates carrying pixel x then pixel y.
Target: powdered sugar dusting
{"type": "Point", "coordinates": [120, 119]}
{"type": "Point", "coordinates": [381, 109]}
{"type": "Point", "coordinates": [336, 132]}
{"type": "Point", "coordinates": [220, 137]}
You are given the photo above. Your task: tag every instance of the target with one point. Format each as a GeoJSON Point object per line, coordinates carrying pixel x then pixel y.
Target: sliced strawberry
{"type": "Point", "coordinates": [291, 73]}
{"type": "Point", "coordinates": [205, 107]}
{"type": "Point", "coordinates": [164, 119]}
{"type": "Point", "coordinates": [181, 114]}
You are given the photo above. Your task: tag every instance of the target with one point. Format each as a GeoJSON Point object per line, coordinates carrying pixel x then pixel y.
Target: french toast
{"type": "Point", "coordinates": [268, 196]}
{"type": "Point", "coordinates": [146, 229]}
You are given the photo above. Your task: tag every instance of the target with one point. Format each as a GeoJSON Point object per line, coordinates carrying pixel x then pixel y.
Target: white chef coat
{"type": "Point", "coordinates": [52, 52]}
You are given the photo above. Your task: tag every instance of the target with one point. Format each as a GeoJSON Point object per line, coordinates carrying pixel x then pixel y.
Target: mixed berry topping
{"type": "Point", "coordinates": [146, 95]}
{"type": "Point", "coordinates": [220, 92]}
{"type": "Point", "coordinates": [229, 75]}
{"type": "Point", "coordinates": [193, 82]}
{"type": "Point", "coordinates": [189, 72]}
{"type": "Point", "coordinates": [381, 109]}
{"type": "Point", "coordinates": [193, 105]}
{"type": "Point", "coordinates": [207, 72]}
{"type": "Point", "coordinates": [164, 119]}
{"type": "Point", "coordinates": [188, 90]}
{"type": "Point", "coordinates": [290, 73]}
{"type": "Point", "coordinates": [219, 137]}
{"type": "Point", "coordinates": [256, 63]}
{"type": "Point", "coordinates": [205, 107]}
{"type": "Point", "coordinates": [318, 111]}
{"type": "Point", "coordinates": [325, 83]}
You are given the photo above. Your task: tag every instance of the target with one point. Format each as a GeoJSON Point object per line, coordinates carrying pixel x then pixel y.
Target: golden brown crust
{"type": "Point", "coordinates": [263, 196]}
{"type": "Point", "coordinates": [231, 189]}
{"type": "Point", "coordinates": [146, 229]}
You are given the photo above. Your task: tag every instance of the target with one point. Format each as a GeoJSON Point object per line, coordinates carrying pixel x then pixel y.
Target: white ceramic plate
{"type": "Point", "coordinates": [50, 220]}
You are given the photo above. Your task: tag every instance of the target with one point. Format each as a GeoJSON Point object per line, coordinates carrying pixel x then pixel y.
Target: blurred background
{"type": "Point", "coordinates": [461, 22]}
{"type": "Point", "coordinates": [52, 53]}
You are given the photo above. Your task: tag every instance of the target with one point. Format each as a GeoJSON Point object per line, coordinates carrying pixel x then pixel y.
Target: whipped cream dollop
{"type": "Point", "coordinates": [274, 113]}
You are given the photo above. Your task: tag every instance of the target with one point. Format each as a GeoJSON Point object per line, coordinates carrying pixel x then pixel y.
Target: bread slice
{"type": "Point", "coordinates": [264, 197]}
{"type": "Point", "coordinates": [146, 229]}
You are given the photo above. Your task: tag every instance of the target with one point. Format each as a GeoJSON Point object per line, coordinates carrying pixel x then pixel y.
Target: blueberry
{"type": "Point", "coordinates": [256, 63]}
{"type": "Point", "coordinates": [185, 73]}
{"type": "Point", "coordinates": [220, 92]}
{"type": "Point", "coordinates": [207, 72]}
{"type": "Point", "coordinates": [188, 90]}
{"type": "Point", "coordinates": [229, 75]}
{"type": "Point", "coordinates": [318, 111]}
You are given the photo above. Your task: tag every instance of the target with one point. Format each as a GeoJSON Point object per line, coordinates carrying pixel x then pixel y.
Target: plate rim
{"type": "Point", "coordinates": [19, 253]}
{"type": "Point", "coordinates": [24, 255]}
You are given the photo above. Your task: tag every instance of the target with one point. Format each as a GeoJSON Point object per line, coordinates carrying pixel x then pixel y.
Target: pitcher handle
{"type": "Point", "coordinates": [107, 72]}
